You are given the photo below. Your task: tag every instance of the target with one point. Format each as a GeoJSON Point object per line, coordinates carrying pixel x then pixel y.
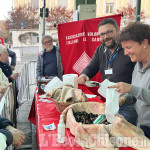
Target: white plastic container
{"type": "Point", "coordinates": [61, 130]}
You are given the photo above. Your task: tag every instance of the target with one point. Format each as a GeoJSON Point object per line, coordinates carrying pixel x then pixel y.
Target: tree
{"type": "Point", "coordinates": [27, 14]}
{"type": "Point", "coordinates": [4, 29]}
{"type": "Point", "coordinates": [129, 14]}
{"type": "Point", "coordinates": [58, 15]}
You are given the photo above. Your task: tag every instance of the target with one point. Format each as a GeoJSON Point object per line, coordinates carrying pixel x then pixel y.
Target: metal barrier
{"type": "Point", "coordinates": [7, 104]}
{"type": "Point", "coordinates": [32, 72]}
{"type": "Point", "coordinates": [22, 87]}
{"type": "Point", "coordinates": [27, 78]}
{"type": "Point", "coordinates": [7, 107]}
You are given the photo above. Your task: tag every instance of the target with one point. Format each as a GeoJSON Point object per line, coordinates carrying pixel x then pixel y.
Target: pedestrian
{"type": "Point", "coordinates": [110, 60]}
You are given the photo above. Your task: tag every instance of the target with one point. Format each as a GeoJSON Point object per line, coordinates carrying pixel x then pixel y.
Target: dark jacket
{"type": "Point", "coordinates": [121, 65]}
{"type": "Point", "coordinates": [39, 67]}
{"type": "Point", "coordinates": [6, 70]}
{"type": "Point", "coordinates": [122, 72]}
{"type": "Point", "coordinates": [13, 57]}
{"type": "Point", "coordinates": [3, 124]}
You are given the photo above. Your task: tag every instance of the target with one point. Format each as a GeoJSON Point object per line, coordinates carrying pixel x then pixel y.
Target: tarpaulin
{"type": "Point", "coordinates": [78, 41]}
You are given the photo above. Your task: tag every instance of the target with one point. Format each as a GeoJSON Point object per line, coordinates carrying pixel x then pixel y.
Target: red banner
{"type": "Point", "coordinates": [78, 41]}
{"type": "Point", "coordinates": [1, 39]}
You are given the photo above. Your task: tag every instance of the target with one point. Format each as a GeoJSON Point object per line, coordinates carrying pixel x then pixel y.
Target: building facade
{"type": "Point", "coordinates": [103, 7]}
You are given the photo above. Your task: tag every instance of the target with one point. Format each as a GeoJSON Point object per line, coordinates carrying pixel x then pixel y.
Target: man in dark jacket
{"type": "Point", "coordinates": [113, 65]}
{"type": "Point", "coordinates": [49, 60]}
{"type": "Point", "coordinates": [9, 135]}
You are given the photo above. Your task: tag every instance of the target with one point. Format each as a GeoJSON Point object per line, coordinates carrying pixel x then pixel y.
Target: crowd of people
{"type": "Point", "coordinates": [122, 57]}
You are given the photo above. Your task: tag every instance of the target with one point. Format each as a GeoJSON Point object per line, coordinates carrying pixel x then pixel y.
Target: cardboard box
{"type": "Point", "coordinates": [42, 82]}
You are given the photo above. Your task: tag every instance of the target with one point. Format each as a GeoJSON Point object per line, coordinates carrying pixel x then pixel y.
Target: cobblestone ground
{"type": "Point", "coordinates": [29, 54]}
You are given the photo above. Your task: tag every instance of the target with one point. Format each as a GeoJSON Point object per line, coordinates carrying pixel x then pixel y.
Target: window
{"type": "Point", "coordinates": [132, 3]}
{"type": "Point", "coordinates": [109, 8]}
{"type": "Point", "coordinates": [34, 4]}
{"type": "Point", "coordinates": [62, 3]}
{"type": "Point", "coordinates": [91, 1]}
{"type": "Point", "coordinates": [78, 2]}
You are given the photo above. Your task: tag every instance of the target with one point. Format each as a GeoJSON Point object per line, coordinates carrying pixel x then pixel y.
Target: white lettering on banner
{"type": "Point", "coordinates": [84, 39]}
{"type": "Point", "coordinates": [73, 39]}
{"type": "Point", "coordinates": [72, 42]}
{"type": "Point", "coordinates": [97, 39]}
{"type": "Point", "coordinates": [75, 36]}
{"type": "Point", "coordinates": [92, 33]}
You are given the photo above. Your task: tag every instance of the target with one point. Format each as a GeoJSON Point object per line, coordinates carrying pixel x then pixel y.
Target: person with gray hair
{"type": "Point", "coordinates": [113, 65]}
{"type": "Point", "coordinates": [49, 60]}
{"type": "Point", "coordinates": [6, 69]}
{"type": "Point", "coordinates": [12, 55]}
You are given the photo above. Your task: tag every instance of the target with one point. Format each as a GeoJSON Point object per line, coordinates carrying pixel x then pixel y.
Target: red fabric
{"type": "Point", "coordinates": [31, 117]}
{"type": "Point", "coordinates": [1, 39]}
{"type": "Point", "coordinates": [85, 43]}
{"type": "Point", "coordinates": [45, 114]}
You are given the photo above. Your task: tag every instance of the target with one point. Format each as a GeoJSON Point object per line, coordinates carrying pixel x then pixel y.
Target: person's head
{"type": "Point", "coordinates": [3, 54]}
{"type": "Point", "coordinates": [135, 39]}
{"type": "Point", "coordinates": [47, 42]}
{"type": "Point", "coordinates": [108, 31]}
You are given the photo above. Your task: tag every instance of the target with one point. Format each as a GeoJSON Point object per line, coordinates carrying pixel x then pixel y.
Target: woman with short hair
{"type": "Point", "coordinates": [135, 40]}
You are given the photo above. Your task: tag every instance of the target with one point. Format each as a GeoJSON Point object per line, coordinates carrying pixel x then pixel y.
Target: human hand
{"type": "Point", "coordinates": [82, 78]}
{"type": "Point", "coordinates": [15, 75]}
{"type": "Point", "coordinates": [122, 100]}
{"type": "Point", "coordinates": [9, 84]}
{"type": "Point", "coordinates": [121, 87]}
{"type": "Point", "coordinates": [12, 67]}
{"type": "Point", "coordinates": [18, 136]}
{"type": "Point", "coordinates": [3, 89]}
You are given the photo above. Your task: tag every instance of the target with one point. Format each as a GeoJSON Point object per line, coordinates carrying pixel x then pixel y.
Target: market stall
{"type": "Point", "coordinates": [45, 113]}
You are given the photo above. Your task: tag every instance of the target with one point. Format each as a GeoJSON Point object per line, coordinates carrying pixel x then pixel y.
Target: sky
{"type": "Point", "coordinates": [5, 6]}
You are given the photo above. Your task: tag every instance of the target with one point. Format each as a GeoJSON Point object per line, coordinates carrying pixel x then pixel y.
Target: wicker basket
{"type": "Point", "coordinates": [61, 106]}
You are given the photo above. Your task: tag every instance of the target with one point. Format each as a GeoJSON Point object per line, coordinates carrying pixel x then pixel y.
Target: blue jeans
{"type": "Point", "coordinates": [146, 130]}
{"type": "Point", "coordinates": [129, 113]}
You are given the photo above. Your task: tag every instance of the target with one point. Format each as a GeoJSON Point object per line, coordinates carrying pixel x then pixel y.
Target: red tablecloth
{"type": "Point", "coordinates": [43, 113]}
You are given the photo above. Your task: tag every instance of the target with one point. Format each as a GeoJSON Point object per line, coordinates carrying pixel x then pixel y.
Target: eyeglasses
{"type": "Point", "coordinates": [47, 42]}
{"type": "Point", "coordinates": [109, 33]}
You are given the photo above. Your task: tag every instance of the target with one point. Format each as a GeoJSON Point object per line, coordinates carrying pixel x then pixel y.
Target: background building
{"type": "Point", "coordinates": [103, 7]}
{"type": "Point", "coordinates": [83, 9]}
